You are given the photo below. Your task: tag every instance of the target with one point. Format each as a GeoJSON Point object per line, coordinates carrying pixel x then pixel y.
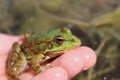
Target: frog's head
{"type": "Point", "coordinates": [61, 40]}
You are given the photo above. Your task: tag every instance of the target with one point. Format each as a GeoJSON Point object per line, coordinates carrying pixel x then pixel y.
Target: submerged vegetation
{"type": "Point", "coordinates": [95, 22]}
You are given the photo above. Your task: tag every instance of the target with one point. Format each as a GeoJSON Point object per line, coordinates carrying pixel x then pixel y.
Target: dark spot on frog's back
{"type": "Point", "coordinates": [25, 45]}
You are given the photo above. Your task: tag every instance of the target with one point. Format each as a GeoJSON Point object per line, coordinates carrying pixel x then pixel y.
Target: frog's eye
{"type": "Point", "coordinates": [59, 39]}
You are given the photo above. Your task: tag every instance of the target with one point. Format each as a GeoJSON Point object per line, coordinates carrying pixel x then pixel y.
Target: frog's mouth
{"type": "Point", "coordinates": [50, 58]}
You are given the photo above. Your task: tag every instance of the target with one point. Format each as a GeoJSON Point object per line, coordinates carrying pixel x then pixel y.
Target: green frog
{"type": "Point", "coordinates": [37, 48]}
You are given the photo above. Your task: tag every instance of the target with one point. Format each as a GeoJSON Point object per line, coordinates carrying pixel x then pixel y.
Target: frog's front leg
{"type": "Point", "coordinates": [16, 62]}
{"type": "Point", "coordinates": [35, 62]}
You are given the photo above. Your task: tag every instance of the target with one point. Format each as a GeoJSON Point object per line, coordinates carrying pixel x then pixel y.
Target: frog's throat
{"type": "Point", "coordinates": [50, 56]}
{"type": "Point", "coordinates": [49, 59]}
{"type": "Point", "coordinates": [55, 54]}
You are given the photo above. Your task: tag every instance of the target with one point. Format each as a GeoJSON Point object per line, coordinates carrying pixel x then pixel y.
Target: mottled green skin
{"type": "Point", "coordinates": [71, 40]}
{"type": "Point", "coordinates": [39, 47]}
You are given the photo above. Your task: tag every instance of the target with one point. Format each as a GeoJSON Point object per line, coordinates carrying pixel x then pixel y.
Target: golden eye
{"type": "Point", "coordinates": [59, 39]}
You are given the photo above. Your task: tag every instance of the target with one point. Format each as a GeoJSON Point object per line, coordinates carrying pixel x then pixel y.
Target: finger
{"type": "Point", "coordinates": [89, 57]}
{"type": "Point", "coordinates": [2, 77]}
{"type": "Point", "coordinates": [6, 42]}
{"type": "Point", "coordinates": [75, 60]}
{"type": "Point", "coordinates": [55, 73]}
{"type": "Point", "coordinates": [3, 60]}
{"type": "Point", "coordinates": [26, 76]}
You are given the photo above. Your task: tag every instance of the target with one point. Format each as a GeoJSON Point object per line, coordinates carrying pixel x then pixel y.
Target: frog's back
{"type": "Point", "coordinates": [35, 40]}
{"type": "Point", "coordinates": [56, 40]}
{"type": "Point", "coordinates": [45, 36]}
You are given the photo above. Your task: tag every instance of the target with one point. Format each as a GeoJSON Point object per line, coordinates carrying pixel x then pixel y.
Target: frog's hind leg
{"type": "Point", "coordinates": [16, 62]}
{"type": "Point", "coordinates": [35, 62]}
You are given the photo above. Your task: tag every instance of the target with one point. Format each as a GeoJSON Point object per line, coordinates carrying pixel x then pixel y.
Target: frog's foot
{"type": "Point", "coordinates": [39, 69]}
{"type": "Point", "coordinates": [16, 78]}
{"type": "Point", "coordinates": [45, 67]}
{"type": "Point", "coordinates": [49, 65]}
{"type": "Point", "coordinates": [13, 78]}
{"type": "Point", "coordinates": [35, 63]}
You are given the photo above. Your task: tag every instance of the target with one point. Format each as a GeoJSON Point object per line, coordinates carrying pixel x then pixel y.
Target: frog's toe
{"type": "Point", "coordinates": [38, 71]}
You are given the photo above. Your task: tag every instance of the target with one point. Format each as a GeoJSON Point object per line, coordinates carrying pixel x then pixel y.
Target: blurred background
{"type": "Point", "coordinates": [95, 22]}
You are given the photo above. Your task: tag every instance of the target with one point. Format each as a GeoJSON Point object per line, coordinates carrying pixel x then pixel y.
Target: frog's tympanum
{"type": "Point", "coordinates": [37, 48]}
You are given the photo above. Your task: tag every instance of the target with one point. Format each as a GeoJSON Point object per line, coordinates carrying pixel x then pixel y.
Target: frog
{"type": "Point", "coordinates": [39, 47]}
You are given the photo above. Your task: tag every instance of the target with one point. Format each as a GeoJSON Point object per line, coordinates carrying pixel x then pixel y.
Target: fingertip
{"type": "Point", "coordinates": [54, 73]}
{"type": "Point", "coordinates": [89, 56]}
{"type": "Point", "coordinates": [71, 61]}
{"type": "Point", "coordinates": [76, 60]}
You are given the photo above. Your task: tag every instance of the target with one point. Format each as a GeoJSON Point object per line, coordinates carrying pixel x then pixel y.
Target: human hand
{"type": "Point", "coordinates": [65, 67]}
